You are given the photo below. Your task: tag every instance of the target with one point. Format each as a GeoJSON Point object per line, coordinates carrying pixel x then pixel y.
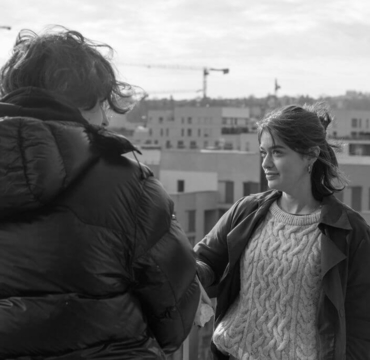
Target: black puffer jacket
{"type": "Point", "coordinates": [93, 264]}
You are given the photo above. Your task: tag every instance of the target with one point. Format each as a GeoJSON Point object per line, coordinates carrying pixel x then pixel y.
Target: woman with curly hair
{"type": "Point", "coordinates": [94, 264]}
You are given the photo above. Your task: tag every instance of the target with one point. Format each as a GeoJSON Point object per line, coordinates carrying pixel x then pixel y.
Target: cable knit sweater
{"type": "Point", "coordinates": [274, 316]}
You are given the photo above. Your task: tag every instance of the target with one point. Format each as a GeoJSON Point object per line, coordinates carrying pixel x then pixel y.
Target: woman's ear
{"type": "Point", "coordinates": [314, 152]}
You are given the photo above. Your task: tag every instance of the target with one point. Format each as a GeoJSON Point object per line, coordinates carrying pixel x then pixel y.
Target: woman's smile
{"type": "Point", "coordinates": [271, 175]}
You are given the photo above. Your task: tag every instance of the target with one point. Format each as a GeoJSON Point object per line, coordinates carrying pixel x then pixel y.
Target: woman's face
{"type": "Point", "coordinates": [285, 169]}
{"type": "Point", "coordinates": [96, 115]}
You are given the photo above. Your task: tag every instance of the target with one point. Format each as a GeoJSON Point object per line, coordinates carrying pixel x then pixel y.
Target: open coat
{"type": "Point", "coordinates": [344, 304]}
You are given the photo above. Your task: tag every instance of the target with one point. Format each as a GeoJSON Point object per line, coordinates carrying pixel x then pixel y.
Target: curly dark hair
{"type": "Point", "coordinates": [302, 128]}
{"type": "Point", "coordinates": [67, 65]}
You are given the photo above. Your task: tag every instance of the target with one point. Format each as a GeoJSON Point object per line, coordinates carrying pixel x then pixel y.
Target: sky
{"type": "Point", "coordinates": [315, 48]}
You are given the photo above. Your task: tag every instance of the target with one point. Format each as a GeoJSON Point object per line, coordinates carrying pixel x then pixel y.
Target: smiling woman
{"type": "Point", "coordinates": [291, 264]}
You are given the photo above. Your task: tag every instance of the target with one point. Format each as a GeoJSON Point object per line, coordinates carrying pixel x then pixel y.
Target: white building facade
{"type": "Point", "coordinates": [199, 127]}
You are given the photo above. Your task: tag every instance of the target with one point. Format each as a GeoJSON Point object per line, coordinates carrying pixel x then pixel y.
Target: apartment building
{"type": "Point", "coordinates": [200, 128]}
{"type": "Point", "coordinates": [357, 193]}
{"type": "Point", "coordinates": [204, 184]}
{"type": "Point", "coordinates": [355, 147]}
{"type": "Point", "coordinates": [350, 124]}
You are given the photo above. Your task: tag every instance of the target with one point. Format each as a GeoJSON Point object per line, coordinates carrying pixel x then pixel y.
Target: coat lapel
{"type": "Point", "coordinates": [240, 235]}
{"type": "Point", "coordinates": [334, 225]}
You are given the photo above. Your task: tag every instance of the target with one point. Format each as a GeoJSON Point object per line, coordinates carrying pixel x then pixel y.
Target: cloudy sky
{"type": "Point", "coordinates": [312, 47]}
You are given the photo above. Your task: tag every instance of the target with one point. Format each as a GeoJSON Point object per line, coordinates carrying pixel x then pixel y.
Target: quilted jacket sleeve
{"type": "Point", "coordinates": [164, 269]}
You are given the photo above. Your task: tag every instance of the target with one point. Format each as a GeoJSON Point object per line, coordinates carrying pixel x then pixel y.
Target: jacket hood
{"type": "Point", "coordinates": [45, 145]}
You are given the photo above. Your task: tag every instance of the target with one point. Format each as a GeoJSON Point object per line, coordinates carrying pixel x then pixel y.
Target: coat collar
{"type": "Point", "coordinates": [332, 213]}
{"type": "Point", "coordinates": [39, 104]}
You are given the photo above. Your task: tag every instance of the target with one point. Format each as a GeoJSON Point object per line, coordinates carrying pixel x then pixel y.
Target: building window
{"type": "Point", "coordinates": [191, 220]}
{"type": "Point", "coordinates": [150, 132]}
{"type": "Point", "coordinates": [250, 187]}
{"type": "Point", "coordinates": [182, 120]}
{"type": "Point", "coordinates": [189, 132]}
{"type": "Point", "coordinates": [193, 144]}
{"type": "Point", "coordinates": [210, 219]}
{"type": "Point", "coordinates": [354, 123]}
{"type": "Point", "coordinates": [221, 212]}
{"type": "Point", "coordinates": [180, 144]}
{"type": "Point", "coordinates": [168, 144]}
{"type": "Point", "coordinates": [189, 120]}
{"type": "Point", "coordinates": [356, 203]}
{"type": "Point", "coordinates": [226, 192]}
{"type": "Point", "coordinates": [358, 149]}
{"type": "Point", "coordinates": [180, 185]}
{"type": "Point", "coordinates": [160, 120]}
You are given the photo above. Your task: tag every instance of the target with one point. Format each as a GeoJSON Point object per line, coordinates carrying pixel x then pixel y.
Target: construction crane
{"type": "Point", "coordinates": [171, 92]}
{"type": "Point", "coordinates": [205, 71]}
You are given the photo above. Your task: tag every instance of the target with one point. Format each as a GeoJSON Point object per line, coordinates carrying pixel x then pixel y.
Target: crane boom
{"type": "Point", "coordinates": [205, 70]}
{"type": "Point", "coordinates": [165, 66]}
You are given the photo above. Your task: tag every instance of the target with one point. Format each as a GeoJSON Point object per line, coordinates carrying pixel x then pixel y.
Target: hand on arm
{"type": "Point", "coordinates": [205, 309]}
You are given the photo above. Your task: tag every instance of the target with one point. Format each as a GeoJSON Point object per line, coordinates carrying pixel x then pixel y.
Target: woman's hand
{"type": "Point", "coordinates": [205, 308]}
